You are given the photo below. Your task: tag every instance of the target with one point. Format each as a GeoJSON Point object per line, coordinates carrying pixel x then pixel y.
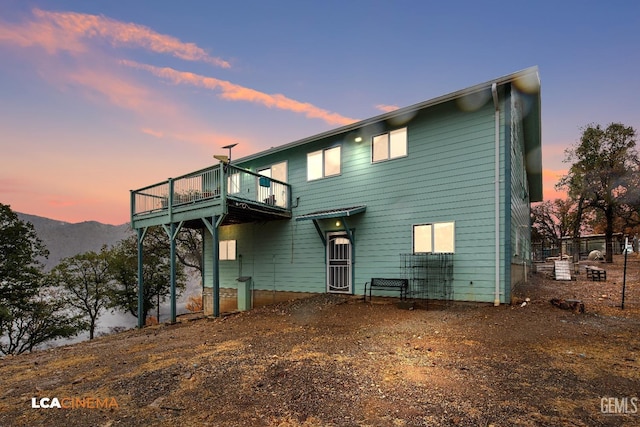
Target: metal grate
{"type": "Point", "coordinates": [430, 275]}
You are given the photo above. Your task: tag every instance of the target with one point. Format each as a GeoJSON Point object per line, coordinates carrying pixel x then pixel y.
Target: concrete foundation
{"type": "Point", "coordinates": [259, 298]}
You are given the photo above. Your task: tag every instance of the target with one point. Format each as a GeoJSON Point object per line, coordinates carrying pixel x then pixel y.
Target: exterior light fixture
{"type": "Point", "coordinates": [338, 223]}
{"type": "Point", "coordinates": [358, 139]}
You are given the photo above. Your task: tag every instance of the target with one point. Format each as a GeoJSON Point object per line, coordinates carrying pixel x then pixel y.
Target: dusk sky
{"type": "Point", "coordinates": [101, 97]}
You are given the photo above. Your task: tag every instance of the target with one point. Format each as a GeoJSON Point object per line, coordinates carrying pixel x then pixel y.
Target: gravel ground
{"type": "Point", "coordinates": [338, 361]}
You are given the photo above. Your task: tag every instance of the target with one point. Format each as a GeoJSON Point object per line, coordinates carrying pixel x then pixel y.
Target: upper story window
{"type": "Point", "coordinates": [323, 163]}
{"type": "Point", "coordinates": [270, 192]}
{"type": "Point", "coordinates": [276, 171]}
{"type": "Point", "coordinates": [389, 145]}
{"type": "Point", "coordinates": [434, 238]}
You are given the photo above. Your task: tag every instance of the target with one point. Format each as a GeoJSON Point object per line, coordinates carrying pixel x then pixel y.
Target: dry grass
{"type": "Point", "coordinates": [336, 361]}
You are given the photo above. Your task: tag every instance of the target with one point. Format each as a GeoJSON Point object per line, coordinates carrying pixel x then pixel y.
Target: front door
{"type": "Point", "coordinates": [338, 263]}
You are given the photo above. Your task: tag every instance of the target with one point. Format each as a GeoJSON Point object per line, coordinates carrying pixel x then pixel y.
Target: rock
{"type": "Point", "coordinates": [574, 305]}
{"type": "Point", "coordinates": [595, 256]}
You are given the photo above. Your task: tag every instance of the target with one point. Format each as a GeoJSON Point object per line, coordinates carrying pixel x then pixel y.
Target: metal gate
{"type": "Point", "coordinates": [338, 263]}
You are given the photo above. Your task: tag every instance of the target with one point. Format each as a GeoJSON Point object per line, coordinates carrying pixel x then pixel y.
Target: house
{"type": "Point", "coordinates": [449, 180]}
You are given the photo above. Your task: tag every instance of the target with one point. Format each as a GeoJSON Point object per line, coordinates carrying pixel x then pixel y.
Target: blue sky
{"type": "Point", "coordinates": [101, 97]}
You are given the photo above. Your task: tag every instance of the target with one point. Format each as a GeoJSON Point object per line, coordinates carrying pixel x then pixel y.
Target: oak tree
{"type": "Point", "coordinates": [30, 311]}
{"type": "Point", "coordinates": [604, 168]}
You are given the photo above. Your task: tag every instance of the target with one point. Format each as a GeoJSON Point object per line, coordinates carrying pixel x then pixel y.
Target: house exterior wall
{"type": "Point", "coordinates": [519, 206]}
{"type": "Point", "coordinates": [447, 176]}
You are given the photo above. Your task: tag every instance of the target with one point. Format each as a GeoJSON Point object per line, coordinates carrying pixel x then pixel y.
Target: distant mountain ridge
{"type": "Point", "coordinates": [65, 239]}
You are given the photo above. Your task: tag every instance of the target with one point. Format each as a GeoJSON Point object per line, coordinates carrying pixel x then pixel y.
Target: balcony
{"type": "Point", "coordinates": [240, 195]}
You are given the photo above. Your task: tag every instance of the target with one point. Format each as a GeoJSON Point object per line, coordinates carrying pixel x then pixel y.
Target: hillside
{"type": "Point", "coordinates": [64, 239]}
{"type": "Point", "coordinates": [335, 360]}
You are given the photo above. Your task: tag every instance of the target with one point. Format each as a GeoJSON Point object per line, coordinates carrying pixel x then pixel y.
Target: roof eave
{"type": "Point", "coordinates": [397, 113]}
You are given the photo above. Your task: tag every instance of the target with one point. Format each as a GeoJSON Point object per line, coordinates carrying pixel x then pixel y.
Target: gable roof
{"type": "Point", "coordinates": [528, 78]}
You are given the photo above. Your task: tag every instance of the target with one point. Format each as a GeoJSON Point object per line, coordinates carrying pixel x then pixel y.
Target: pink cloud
{"type": "Point", "coordinates": [234, 92]}
{"type": "Point", "coordinates": [386, 108]}
{"type": "Point", "coordinates": [152, 132]}
{"type": "Point", "coordinates": [119, 91]}
{"type": "Point", "coordinates": [55, 31]}
{"type": "Point", "coordinates": [40, 33]}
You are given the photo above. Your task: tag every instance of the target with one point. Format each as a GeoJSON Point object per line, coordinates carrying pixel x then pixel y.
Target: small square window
{"type": "Point", "coordinates": [434, 238]}
{"type": "Point", "coordinates": [227, 250]}
{"type": "Point", "coordinates": [324, 163]}
{"type": "Point", "coordinates": [389, 145]}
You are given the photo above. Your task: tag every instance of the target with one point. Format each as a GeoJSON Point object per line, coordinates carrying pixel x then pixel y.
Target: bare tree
{"type": "Point", "coordinates": [553, 220]}
{"type": "Point", "coordinates": [189, 251]}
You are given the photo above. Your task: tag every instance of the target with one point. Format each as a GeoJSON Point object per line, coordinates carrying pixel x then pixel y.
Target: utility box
{"type": "Point", "coordinates": [244, 293]}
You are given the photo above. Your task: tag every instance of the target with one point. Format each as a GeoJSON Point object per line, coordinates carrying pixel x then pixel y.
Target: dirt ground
{"type": "Point", "coordinates": [338, 361]}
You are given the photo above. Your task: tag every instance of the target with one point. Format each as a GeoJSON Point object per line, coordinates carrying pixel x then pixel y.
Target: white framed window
{"type": "Point", "coordinates": [270, 192]}
{"type": "Point", "coordinates": [324, 163]}
{"type": "Point", "coordinates": [389, 145]}
{"type": "Point", "coordinates": [437, 237]}
{"type": "Point", "coordinates": [227, 250]}
{"type": "Point", "coordinates": [276, 171]}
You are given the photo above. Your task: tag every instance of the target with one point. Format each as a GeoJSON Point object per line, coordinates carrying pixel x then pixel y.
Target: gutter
{"type": "Point", "coordinates": [494, 93]}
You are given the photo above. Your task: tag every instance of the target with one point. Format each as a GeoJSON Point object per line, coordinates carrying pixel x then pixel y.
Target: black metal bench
{"type": "Point", "coordinates": [393, 284]}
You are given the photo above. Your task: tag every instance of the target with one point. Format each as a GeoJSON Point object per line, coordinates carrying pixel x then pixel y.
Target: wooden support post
{"type": "Point", "coordinates": [173, 272]}
{"type": "Point", "coordinates": [216, 268]}
{"type": "Point", "coordinates": [141, 319]}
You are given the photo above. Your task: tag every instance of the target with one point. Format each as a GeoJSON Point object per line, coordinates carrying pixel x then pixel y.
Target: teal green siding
{"type": "Point", "coordinates": [520, 231]}
{"type": "Point", "coordinates": [448, 175]}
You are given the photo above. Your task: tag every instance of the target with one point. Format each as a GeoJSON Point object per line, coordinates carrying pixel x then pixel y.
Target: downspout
{"type": "Point", "coordinates": [494, 93]}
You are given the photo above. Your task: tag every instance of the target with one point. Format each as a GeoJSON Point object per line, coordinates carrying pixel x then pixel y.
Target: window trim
{"type": "Point", "coordinates": [433, 237]}
{"type": "Point", "coordinates": [324, 164]}
{"type": "Point", "coordinates": [388, 135]}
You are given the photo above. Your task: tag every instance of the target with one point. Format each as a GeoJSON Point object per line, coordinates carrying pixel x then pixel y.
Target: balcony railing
{"type": "Point", "coordinates": [217, 182]}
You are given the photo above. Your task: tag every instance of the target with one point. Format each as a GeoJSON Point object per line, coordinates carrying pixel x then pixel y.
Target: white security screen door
{"type": "Point", "coordinates": [338, 263]}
